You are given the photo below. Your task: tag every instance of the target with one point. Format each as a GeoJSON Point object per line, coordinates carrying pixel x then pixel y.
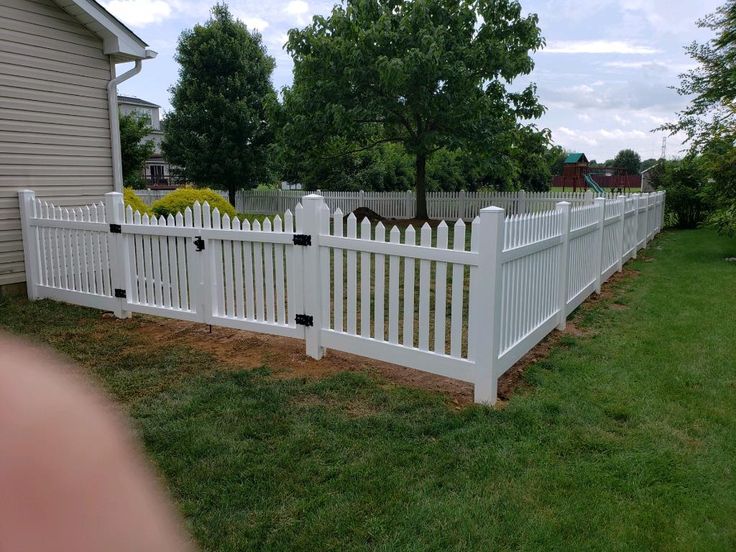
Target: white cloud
{"type": "Point", "coordinates": [296, 7]}
{"type": "Point", "coordinates": [252, 22]}
{"type": "Point", "coordinates": [597, 47]}
{"type": "Point", "coordinates": [139, 13]}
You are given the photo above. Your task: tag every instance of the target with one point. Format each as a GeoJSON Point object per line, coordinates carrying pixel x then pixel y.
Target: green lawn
{"type": "Point", "coordinates": [623, 439]}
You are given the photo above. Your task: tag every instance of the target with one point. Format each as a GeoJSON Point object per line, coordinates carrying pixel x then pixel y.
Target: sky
{"type": "Point", "coordinates": [604, 75]}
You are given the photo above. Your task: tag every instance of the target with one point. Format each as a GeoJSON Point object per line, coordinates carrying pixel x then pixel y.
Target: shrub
{"type": "Point", "coordinates": [131, 199]}
{"type": "Point", "coordinates": [178, 201]}
{"type": "Point", "coordinates": [684, 181]}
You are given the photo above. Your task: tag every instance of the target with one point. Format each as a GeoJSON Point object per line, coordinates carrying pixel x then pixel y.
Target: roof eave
{"type": "Point", "coordinates": [117, 39]}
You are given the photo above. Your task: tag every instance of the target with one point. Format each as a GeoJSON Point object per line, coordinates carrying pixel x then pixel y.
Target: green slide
{"type": "Point", "coordinates": [593, 185]}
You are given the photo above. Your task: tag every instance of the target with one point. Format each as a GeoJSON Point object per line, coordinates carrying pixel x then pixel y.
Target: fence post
{"type": "Point", "coordinates": [27, 204]}
{"type": "Point", "coordinates": [637, 196]}
{"type": "Point", "coordinates": [521, 202]}
{"type": "Point", "coordinates": [361, 199]}
{"type": "Point", "coordinates": [485, 302]}
{"type": "Point", "coordinates": [600, 203]}
{"type": "Point", "coordinates": [408, 205]}
{"type": "Point", "coordinates": [588, 197]}
{"type": "Point", "coordinates": [461, 204]}
{"type": "Point", "coordinates": [312, 276]}
{"type": "Point", "coordinates": [117, 252]}
{"type": "Point", "coordinates": [622, 249]}
{"type": "Point", "coordinates": [564, 274]}
{"type": "Point", "coordinates": [646, 218]}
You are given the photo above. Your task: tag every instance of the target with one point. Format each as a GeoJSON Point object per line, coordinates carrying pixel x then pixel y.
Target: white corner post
{"type": "Point", "coordinates": [409, 204]}
{"type": "Point", "coordinates": [27, 204]}
{"type": "Point", "coordinates": [622, 234]}
{"type": "Point", "coordinates": [485, 303]}
{"type": "Point", "coordinates": [521, 202]}
{"type": "Point", "coordinates": [637, 198]}
{"type": "Point", "coordinates": [647, 203]}
{"type": "Point", "coordinates": [312, 276]}
{"type": "Point", "coordinates": [461, 204]}
{"type": "Point", "coordinates": [117, 254]}
{"type": "Point", "coordinates": [600, 203]}
{"type": "Point", "coordinates": [563, 207]}
{"type": "Point", "coordinates": [588, 197]}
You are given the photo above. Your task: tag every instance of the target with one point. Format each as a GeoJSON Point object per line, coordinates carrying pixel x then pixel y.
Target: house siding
{"type": "Point", "coordinates": [54, 126]}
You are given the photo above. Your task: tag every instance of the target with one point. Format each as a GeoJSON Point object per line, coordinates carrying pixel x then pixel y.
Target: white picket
{"type": "Point", "coordinates": [440, 293]}
{"type": "Point", "coordinates": [338, 298]}
{"type": "Point", "coordinates": [424, 285]}
{"type": "Point", "coordinates": [379, 283]}
{"type": "Point", "coordinates": [393, 290]}
{"type": "Point", "coordinates": [352, 278]}
{"type": "Point", "coordinates": [365, 282]}
{"type": "Point", "coordinates": [408, 330]}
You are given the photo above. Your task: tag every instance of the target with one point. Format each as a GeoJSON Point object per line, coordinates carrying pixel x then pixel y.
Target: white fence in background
{"type": "Point", "coordinates": [426, 301]}
{"type": "Point", "coordinates": [402, 205]}
{"type": "Point", "coordinates": [399, 205]}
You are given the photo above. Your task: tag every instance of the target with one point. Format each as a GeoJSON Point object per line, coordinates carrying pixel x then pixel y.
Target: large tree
{"type": "Point", "coordinates": [709, 121]}
{"type": "Point", "coordinates": [134, 148]}
{"type": "Point", "coordinates": [428, 74]}
{"type": "Point", "coordinates": [219, 130]}
{"type": "Point", "coordinates": [629, 160]}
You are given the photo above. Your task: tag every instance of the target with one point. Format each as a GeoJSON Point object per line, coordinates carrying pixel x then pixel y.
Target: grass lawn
{"type": "Point", "coordinates": [623, 439]}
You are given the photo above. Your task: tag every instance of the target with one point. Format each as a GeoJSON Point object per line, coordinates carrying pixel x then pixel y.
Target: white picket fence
{"type": "Point", "coordinates": [435, 305]}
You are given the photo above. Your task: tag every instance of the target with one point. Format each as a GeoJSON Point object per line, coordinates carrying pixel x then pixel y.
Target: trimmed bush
{"type": "Point", "coordinates": [131, 199]}
{"type": "Point", "coordinates": [178, 201]}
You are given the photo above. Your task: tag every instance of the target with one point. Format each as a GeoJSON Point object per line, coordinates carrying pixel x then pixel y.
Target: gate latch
{"type": "Point", "coordinates": [199, 243]}
{"type": "Point", "coordinates": [304, 320]}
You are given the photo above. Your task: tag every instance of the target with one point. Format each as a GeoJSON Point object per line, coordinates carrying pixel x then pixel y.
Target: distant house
{"type": "Point", "coordinates": [157, 171]}
{"type": "Point", "coordinates": [59, 131]}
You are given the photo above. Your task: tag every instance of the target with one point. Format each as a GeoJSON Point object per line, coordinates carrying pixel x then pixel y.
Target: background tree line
{"type": "Point", "coordinates": [393, 95]}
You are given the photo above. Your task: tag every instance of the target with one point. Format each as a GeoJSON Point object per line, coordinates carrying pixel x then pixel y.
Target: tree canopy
{"type": "Point", "coordinates": [219, 130]}
{"type": "Point", "coordinates": [134, 148]}
{"type": "Point", "coordinates": [428, 75]}
{"type": "Point", "coordinates": [629, 160]}
{"type": "Point", "coordinates": [709, 121]}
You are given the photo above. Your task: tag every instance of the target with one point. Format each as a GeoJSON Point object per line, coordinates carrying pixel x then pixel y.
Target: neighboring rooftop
{"type": "Point", "coordinates": [131, 100]}
{"type": "Point", "coordinates": [576, 158]}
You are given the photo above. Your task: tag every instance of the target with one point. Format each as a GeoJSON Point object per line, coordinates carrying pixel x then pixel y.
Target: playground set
{"type": "Point", "coordinates": [577, 173]}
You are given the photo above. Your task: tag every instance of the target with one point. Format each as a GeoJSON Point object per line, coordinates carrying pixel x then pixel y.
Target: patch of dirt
{"type": "Point", "coordinates": [287, 359]}
{"type": "Point", "coordinates": [285, 356]}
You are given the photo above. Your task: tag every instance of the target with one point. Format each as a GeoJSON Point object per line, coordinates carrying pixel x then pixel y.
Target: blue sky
{"type": "Point", "coordinates": [604, 75]}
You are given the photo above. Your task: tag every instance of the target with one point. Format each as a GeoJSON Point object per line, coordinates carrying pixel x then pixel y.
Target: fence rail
{"type": "Point", "coordinates": [461, 301]}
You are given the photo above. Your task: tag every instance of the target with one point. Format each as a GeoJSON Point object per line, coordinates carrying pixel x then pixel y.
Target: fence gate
{"type": "Point", "coordinates": [204, 267]}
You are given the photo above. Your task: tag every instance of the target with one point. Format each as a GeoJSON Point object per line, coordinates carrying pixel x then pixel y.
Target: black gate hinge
{"type": "Point", "coordinates": [120, 293]}
{"type": "Point", "coordinates": [302, 239]}
{"type": "Point", "coordinates": [116, 229]}
{"type": "Point", "coordinates": [199, 243]}
{"type": "Point", "coordinates": [305, 320]}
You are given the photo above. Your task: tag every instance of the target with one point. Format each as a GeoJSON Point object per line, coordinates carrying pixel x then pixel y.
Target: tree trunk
{"type": "Point", "coordinates": [231, 195]}
{"type": "Point", "coordinates": [420, 186]}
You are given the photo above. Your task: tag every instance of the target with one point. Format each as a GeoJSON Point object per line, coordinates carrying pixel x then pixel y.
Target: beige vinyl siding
{"type": "Point", "coordinates": [54, 128]}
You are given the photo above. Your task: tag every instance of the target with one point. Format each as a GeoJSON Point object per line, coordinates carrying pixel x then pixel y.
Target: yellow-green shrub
{"type": "Point", "coordinates": [178, 201]}
{"type": "Point", "coordinates": [136, 203]}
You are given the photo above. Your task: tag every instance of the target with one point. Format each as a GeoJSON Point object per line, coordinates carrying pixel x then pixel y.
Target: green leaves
{"type": "Point", "coordinates": [134, 148]}
{"type": "Point", "coordinates": [427, 74]}
{"type": "Point", "coordinates": [220, 131]}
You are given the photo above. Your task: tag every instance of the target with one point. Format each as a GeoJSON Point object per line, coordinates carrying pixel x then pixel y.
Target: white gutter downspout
{"type": "Point", "coordinates": [112, 105]}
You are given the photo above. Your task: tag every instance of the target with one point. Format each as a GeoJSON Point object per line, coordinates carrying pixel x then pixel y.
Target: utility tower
{"type": "Point", "coordinates": [664, 148]}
